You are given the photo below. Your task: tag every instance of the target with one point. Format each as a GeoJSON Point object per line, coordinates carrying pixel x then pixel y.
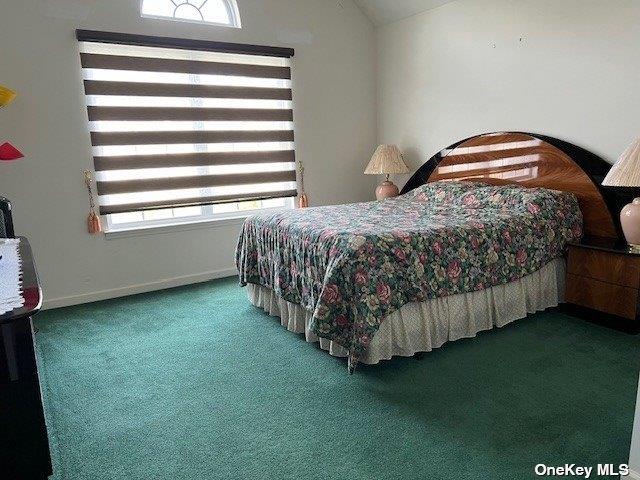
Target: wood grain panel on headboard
{"type": "Point", "coordinates": [504, 158]}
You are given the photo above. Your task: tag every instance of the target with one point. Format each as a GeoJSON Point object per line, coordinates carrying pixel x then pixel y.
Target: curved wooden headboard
{"type": "Point", "coordinates": [532, 161]}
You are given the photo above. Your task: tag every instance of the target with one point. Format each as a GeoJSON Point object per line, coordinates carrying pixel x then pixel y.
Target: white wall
{"type": "Point", "coordinates": [461, 70]}
{"type": "Point", "coordinates": [334, 88]}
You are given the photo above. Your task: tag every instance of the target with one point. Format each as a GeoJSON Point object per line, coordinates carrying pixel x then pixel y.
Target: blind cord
{"type": "Point", "coordinates": [94, 225]}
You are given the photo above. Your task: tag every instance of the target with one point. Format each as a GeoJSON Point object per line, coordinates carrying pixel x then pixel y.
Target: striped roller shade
{"type": "Point", "coordinates": [177, 123]}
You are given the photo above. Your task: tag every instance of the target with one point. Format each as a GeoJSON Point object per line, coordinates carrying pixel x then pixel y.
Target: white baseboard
{"type": "Point", "coordinates": [140, 288]}
{"type": "Point", "coordinates": [633, 475]}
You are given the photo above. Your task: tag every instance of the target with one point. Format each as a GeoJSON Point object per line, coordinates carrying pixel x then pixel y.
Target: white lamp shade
{"type": "Point", "coordinates": [387, 159]}
{"type": "Point", "coordinates": [626, 171]}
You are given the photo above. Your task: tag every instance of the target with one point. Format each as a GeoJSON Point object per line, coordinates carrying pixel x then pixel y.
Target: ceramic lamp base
{"type": "Point", "coordinates": [630, 221]}
{"type": "Point", "coordinates": [386, 190]}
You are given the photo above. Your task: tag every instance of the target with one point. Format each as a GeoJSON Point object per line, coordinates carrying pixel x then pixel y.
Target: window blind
{"type": "Point", "coordinates": [178, 123]}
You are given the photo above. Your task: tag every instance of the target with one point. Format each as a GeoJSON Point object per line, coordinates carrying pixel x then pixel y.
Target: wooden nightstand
{"type": "Point", "coordinates": [603, 276]}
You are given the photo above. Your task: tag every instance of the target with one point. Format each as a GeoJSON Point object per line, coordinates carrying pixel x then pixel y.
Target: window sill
{"type": "Point", "coordinates": [116, 233]}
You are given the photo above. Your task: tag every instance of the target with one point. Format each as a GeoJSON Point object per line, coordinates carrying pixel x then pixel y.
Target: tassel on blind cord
{"type": "Point", "coordinates": [303, 200]}
{"type": "Point", "coordinates": [93, 220]}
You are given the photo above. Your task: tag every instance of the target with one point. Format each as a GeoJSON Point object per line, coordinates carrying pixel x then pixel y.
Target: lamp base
{"type": "Point", "coordinates": [630, 221]}
{"type": "Point", "coordinates": [386, 190]}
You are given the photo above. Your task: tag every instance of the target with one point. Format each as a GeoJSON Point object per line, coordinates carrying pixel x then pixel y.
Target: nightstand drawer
{"type": "Point", "coordinates": [604, 266]}
{"type": "Point", "coordinates": [601, 296]}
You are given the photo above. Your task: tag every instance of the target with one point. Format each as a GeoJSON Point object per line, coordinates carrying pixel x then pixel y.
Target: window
{"type": "Point", "coordinates": [190, 215]}
{"type": "Point", "coordinates": [190, 132]}
{"type": "Point", "coordinates": [215, 12]}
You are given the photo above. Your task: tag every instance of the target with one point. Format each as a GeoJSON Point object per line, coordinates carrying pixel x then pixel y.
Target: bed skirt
{"type": "Point", "coordinates": [423, 326]}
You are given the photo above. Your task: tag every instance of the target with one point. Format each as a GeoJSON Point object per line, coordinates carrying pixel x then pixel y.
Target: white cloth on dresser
{"type": "Point", "coordinates": [10, 270]}
{"type": "Point", "coordinates": [423, 326]}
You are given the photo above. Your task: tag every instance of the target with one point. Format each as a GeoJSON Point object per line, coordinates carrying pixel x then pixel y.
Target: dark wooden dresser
{"type": "Point", "coordinates": [24, 446]}
{"type": "Point", "coordinates": [603, 277]}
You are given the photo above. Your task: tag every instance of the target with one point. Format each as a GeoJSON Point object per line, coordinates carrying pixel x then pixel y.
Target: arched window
{"type": "Point", "coordinates": [215, 12]}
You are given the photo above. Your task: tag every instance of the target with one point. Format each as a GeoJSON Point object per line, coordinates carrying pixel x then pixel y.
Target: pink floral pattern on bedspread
{"type": "Point", "coordinates": [352, 265]}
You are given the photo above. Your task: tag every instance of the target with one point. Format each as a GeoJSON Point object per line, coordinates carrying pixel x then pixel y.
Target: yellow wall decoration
{"type": "Point", "coordinates": [6, 96]}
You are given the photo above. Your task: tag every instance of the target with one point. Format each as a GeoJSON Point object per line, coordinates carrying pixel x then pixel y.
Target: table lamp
{"type": "Point", "coordinates": [626, 173]}
{"type": "Point", "coordinates": [386, 160]}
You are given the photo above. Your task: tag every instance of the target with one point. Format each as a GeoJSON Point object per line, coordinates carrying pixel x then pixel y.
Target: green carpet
{"type": "Point", "coordinates": [195, 383]}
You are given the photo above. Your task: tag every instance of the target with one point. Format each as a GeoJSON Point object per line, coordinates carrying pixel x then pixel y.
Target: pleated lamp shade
{"type": "Point", "coordinates": [626, 171]}
{"type": "Point", "coordinates": [386, 160]}
{"type": "Point", "coordinates": [6, 96]}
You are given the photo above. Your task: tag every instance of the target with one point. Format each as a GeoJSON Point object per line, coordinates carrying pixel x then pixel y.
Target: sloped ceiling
{"type": "Point", "coordinates": [386, 11]}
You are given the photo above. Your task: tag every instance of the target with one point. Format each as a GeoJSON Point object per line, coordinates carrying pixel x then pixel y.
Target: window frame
{"type": "Point", "coordinates": [230, 5]}
{"type": "Point", "coordinates": [206, 218]}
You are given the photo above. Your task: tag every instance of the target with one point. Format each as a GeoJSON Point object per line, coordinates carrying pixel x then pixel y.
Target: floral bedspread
{"type": "Point", "coordinates": [352, 265]}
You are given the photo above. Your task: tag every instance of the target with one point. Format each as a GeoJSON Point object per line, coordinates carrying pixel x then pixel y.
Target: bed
{"type": "Point", "coordinates": [475, 241]}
